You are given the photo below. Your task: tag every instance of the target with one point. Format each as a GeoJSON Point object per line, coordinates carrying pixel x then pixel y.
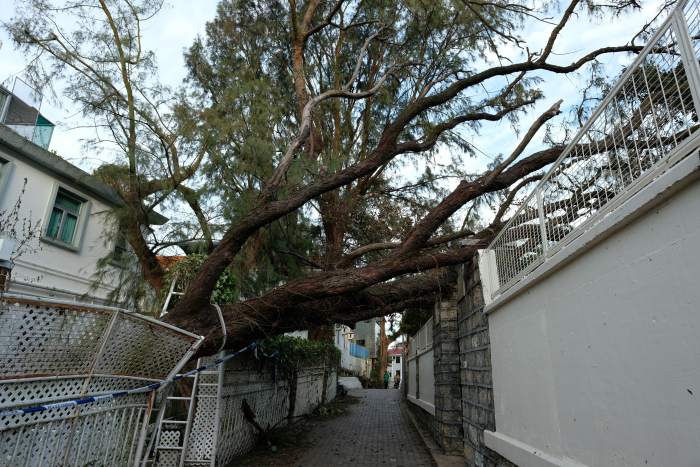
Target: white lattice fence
{"type": "Point", "coordinates": [53, 351]}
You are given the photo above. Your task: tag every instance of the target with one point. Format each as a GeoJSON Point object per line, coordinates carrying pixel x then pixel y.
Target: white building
{"type": "Point", "coordinates": [71, 205]}
{"type": "Point", "coordinates": [354, 357]}
{"type": "Point", "coordinates": [396, 355]}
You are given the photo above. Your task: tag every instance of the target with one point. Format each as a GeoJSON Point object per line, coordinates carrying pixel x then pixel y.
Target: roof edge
{"type": "Point", "coordinates": [60, 166]}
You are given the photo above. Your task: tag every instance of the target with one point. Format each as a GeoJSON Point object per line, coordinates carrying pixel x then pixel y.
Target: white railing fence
{"type": "Point", "coordinates": [646, 123]}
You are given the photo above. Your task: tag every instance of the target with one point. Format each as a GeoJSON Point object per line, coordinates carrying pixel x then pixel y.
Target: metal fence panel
{"type": "Point", "coordinates": [647, 122]}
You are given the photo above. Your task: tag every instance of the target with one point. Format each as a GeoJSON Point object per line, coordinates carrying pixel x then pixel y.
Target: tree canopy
{"type": "Point", "coordinates": [307, 146]}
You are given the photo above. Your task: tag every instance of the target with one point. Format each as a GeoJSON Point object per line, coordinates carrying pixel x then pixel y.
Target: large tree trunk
{"type": "Point", "coordinates": [192, 312]}
{"type": "Point", "coordinates": [380, 300]}
{"type": "Point", "coordinates": [383, 344]}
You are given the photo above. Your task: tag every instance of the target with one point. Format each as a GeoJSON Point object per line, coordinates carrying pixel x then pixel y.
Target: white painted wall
{"type": "Point", "coordinates": [299, 334]}
{"type": "Point", "coordinates": [427, 377]}
{"type": "Point", "coordinates": [411, 378]}
{"type": "Point", "coordinates": [426, 381]}
{"type": "Point", "coordinates": [54, 266]}
{"type": "Point", "coordinates": [358, 366]}
{"type": "Point", "coordinates": [596, 355]}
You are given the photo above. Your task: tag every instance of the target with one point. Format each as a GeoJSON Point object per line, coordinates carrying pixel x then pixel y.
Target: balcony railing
{"type": "Point", "coordinates": [646, 123]}
{"type": "Point", "coordinates": [19, 111]}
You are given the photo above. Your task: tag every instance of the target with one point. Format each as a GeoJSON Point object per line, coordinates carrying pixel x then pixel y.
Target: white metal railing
{"type": "Point", "coordinates": [646, 123]}
{"type": "Point", "coordinates": [422, 341]}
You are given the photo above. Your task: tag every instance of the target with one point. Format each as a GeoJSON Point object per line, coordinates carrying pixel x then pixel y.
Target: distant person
{"type": "Point", "coordinates": [386, 380]}
{"type": "Point", "coordinates": [397, 381]}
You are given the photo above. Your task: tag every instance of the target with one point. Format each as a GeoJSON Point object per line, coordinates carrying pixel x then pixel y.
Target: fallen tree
{"type": "Point", "coordinates": [356, 90]}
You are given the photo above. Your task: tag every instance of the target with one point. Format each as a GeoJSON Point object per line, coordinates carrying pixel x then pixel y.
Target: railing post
{"type": "Point", "coordinates": [543, 229]}
{"type": "Point", "coordinates": [690, 61]}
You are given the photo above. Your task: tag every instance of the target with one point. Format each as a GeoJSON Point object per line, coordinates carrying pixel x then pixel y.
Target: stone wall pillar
{"type": "Point", "coordinates": [447, 422]}
{"type": "Point", "coordinates": [476, 374]}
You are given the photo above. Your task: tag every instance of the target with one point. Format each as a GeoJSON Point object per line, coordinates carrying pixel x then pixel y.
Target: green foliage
{"type": "Point", "coordinates": [325, 410]}
{"type": "Point", "coordinates": [375, 379]}
{"type": "Point", "coordinates": [414, 318]}
{"type": "Point", "coordinates": [296, 352]}
{"type": "Point", "coordinates": [185, 270]}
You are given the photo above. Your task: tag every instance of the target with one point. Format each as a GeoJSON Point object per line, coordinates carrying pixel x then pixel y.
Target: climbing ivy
{"type": "Point", "coordinates": [186, 269]}
{"type": "Point", "coordinates": [296, 352]}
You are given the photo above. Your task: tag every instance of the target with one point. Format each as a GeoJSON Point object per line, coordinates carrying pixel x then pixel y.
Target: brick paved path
{"type": "Point", "coordinates": [376, 433]}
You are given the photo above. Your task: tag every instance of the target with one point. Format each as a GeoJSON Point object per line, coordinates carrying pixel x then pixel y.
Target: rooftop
{"type": "Point", "coordinates": [24, 130]}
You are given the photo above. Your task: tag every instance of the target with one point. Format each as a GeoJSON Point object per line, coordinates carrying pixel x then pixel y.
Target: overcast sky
{"type": "Point", "coordinates": [175, 28]}
{"type": "Point", "coordinates": [168, 34]}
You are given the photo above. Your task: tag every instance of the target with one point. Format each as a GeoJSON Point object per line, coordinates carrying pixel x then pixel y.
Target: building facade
{"type": "Point", "coordinates": [367, 335]}
{"type": "Point", "coordinates": [72, 207]}
{"type": "Point", "coordinates": [355, 358]}
{"type": "Point", "coordinates": [396, 356]}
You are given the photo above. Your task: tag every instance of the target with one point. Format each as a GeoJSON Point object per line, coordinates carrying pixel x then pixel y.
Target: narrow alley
{"type": "Point", "coordinates": [377, 432]}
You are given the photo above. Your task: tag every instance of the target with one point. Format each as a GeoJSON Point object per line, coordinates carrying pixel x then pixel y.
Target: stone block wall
{"type": "Point", "coordinates": [475, 372]}
{"type": "Point", "coordinates": [447, 422]}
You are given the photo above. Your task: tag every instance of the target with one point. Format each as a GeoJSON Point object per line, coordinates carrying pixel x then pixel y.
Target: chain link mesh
{"type": "Point", "coordinates": [640, 124]}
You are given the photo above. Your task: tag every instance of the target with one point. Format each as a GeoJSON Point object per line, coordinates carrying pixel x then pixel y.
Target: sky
{"type": "Point", "coordinates": [578, 38]}
{"type": "Point", "coordinates": [176, 27]}
{"type": "Point", "coordinates": [168, 34]}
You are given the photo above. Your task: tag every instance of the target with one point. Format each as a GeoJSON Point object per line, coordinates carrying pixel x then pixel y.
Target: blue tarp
{"type": "Point", "coordinates": [358, 351]}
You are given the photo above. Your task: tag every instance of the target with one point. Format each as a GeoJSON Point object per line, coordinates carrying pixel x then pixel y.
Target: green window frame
{"type": "Point", "coordinates": [120, 247]}
{"type": "Point", "coordinates": [65, 219]}
{"type": "Point", "coordinates": [65, 214]}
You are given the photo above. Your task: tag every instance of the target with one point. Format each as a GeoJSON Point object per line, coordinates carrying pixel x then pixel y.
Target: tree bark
{"type": "Point", "coordinates": [383, 344]}
{"type": "Point", "coordinates": [265, 311]}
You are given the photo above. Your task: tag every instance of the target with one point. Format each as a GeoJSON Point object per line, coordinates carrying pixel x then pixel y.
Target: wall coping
{"type": "Point", "coordinates": [667, 185]}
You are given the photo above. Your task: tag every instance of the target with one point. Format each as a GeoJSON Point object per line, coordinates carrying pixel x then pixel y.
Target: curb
{"type": "Point", "coordinates": [440, 459]}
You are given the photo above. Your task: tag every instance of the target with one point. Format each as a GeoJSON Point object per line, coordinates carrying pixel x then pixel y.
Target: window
{"type": "Point", "coordinates": [361, 343]}
{"type": "Point", "coordinates": [398, 373]}
{"type": "Point", "coordinates": [64, 217]}
{"type": "Point", "coordinates": [5, 169]}
{"type": "Point", "coordinates": [120, 246]}
{"type": "Point", "coordinates": [398, 359]}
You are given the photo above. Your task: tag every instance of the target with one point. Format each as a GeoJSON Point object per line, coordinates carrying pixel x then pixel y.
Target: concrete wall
{"type": "Point", "coordinates": [596, 354]}
{"type": "Point", "coordinates": [427, 377]}
{"type": "Point", "coordinates": [53, 266]}
{"type": "Point", "coordinates": [368, 331]}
